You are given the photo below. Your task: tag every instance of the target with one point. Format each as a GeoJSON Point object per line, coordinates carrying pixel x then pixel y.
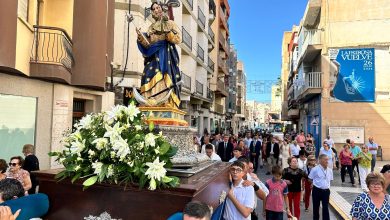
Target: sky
{"type": "Point", "coordinates": [256, 30]}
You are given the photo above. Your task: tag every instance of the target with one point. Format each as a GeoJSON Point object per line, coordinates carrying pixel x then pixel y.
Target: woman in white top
{"type": "Point", "coordinates": [294, 149]}
{"type": "Point", "coordinates": [285, 153]}
{"type": "Point", "coordinates": [326, 150]}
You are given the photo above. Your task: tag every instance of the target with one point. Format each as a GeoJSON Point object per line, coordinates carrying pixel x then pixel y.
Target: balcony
{"type": "Point", "coordinates": [186, 81]}
{"type": "Point", "coordinates": [311, 45]}
{"type": "Point", "coordinates": [222, 42]}
{"type": "Point", "coordinates": [201, 18]}
{"type": "Point", "coordinates": [200, 53]}
{"type": "Point", "coordinates": [199, 88]}
{"type": "Point", "coordinates": [311, 14]}
{"type": "Point", "coordinates": [221, 89]}
{"type": "Point", "coordinates": [212, 9]}
{"type": "Point", "coordinates": [312, 86]}
{"type": "Point", "coordinates": [210, 64]}
{"type": "Point", "coordinates": [218, 108]}
{"type": "Point", "coordinates": [209, 93]}
{"type": "Point", "coordinates": [187, 39]}
{"type": "Point", "coordinates": [51, 54]}
{"type": "Point", "coordinates": [211, 34]}
{"type": "Point", "coordinates": [223, 19]}
{"type": "Point", "coordinates": [222, 66]}
{"type": "Point", "coordinates": [190, 3]}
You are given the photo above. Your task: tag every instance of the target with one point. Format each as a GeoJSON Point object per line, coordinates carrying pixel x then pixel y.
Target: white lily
{"type": "Point", "coordinates": [150, 140]}
{"type": "Point", "coordinates": [97, 166]}
{"type": "Point", "coordinates": [132, 111]}
{"type": "Point", "coordinates": [156, 169]}
{"type": "Point", "coordinates": [85, 122]}
{"type": "Point", "coordinates": [100, 143]}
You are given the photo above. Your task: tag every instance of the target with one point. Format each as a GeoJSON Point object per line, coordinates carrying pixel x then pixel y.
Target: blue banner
{"type": "Point", "coordinates": [352, 76]}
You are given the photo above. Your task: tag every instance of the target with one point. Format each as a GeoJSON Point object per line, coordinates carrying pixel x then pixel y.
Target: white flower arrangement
{"type": "Point", "coordinates": [116, 146]}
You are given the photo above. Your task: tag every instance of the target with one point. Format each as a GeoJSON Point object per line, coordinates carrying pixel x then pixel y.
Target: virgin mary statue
{"type": "Point", "coordinates": [161, 75]}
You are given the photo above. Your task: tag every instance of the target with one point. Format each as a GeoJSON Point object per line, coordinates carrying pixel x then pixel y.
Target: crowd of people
{"type": "Point", "coordinates": [19, 187]}
{"type": "Point", "coordinates": [300, 172]}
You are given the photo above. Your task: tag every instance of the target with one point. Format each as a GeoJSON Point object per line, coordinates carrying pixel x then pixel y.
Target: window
{"type": "Point", "coordinates": [17, 124]}
{"type": "Point", "coordinates": [78, 110]}
{"type": "Point", "coordinates": [23, 9]}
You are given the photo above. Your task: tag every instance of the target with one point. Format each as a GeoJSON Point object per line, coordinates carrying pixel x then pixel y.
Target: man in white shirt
{"type": "Point", "coordinates": [248, 139]}
{"type": "Point", "coordinates": [240, 199]}
{"type": "Point", "coordinates": [329, 141]}
{"type": "Point", "coordinates": [206, 141]}
{"type": "Point", "coordinates": [373, 148]}
{"type": "Point", "coordinates": [211, 153]}
{"type": "Point", "coordinates": [321, 175]}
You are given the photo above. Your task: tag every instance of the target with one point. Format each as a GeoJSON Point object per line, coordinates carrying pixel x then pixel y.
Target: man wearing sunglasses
{"type": "Point", "coordinates": [240, 199]}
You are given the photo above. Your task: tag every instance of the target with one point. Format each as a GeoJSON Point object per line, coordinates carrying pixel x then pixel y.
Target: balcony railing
{"type": "Point", "coordinates": [222, 41]}
{"type": "Point", "coordinates": [211, 34]}
{"type": "Point", "coordinates": [312, 81]}
{"type": "Point", "coordinates": [209, 93]}
{"type": "Point", "coordinates": [52, 45]}
{"type": "Point", "coordinates": [191, 3]}
{"type": "Point", "coordinates": [310, 37]}
{"type": "Point", "coordinates": [218, 108]}
{"type": "Point", "coordinates": [187, 39]}
{"type": "Point", "coordinates": [222, 64]}
{"type": "Point", "coordinates": [199, 87]}
{"type": "Point", "coordinates": [186, 81]}
{"type": "Point", "coordinates": [201, 17]}
{"type": "Point", "coordinates": [221, 85]}
{"type": "Point", "coordinates": [211, 64]}
{"type": "Point", "coordinates": [200, 52]}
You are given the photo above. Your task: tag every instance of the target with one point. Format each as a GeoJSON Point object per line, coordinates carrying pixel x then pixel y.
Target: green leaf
{"type": "Point", "coordinates": [164, 148]}
{"type": "Point", "coordinates": [90, 181]}
{"type": "Point", "coordinates": [60, 175]}
{"type": "Point", "coordinates": [172, 151]}
{"type": "Point", "coordinates": [104, 172]}
{"type": "Point", "coordinates": [167, 179]}
{"type": "Point", "coordinates": [151, 126]}
{"type": "Point", "coordinates": [76, 177]}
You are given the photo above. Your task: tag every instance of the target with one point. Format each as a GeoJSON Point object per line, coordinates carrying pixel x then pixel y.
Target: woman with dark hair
{"type": "Point", "coordinates": [16, 172]}
{"type": "Point", "coordinates": [3, 168]}
{"type": "Point", "coordinates": [160, 81]}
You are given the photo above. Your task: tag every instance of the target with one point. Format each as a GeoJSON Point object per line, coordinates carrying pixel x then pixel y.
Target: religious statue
{"type": "Point", "coordinates": [162, 77]}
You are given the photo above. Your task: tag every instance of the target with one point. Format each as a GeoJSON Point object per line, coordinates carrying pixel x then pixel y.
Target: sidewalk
{"type": "Point", "coordinates": [342, 196]}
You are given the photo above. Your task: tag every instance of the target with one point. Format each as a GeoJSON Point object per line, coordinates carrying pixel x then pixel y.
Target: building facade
{"type": "Point", "coordinates": [339, 72]}
{"type": "Point", "coordinates": [54, 60]}
{"type": "Point", "coordinates": [241, 113]}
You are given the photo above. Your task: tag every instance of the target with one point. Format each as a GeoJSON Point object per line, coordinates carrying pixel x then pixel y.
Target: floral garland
{"type": "Point", "coordinates": [118, 147]}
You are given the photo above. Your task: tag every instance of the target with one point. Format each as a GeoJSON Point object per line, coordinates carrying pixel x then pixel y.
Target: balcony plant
{"type": "Point", "coordinates": [116, 147]}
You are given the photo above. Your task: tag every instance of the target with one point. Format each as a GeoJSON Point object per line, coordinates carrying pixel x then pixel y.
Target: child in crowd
{"type": "Point", "coordinates": [278, 191]}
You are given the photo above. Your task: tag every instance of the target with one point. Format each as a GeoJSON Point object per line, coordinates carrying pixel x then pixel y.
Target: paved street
{"type": "Point", "coordinates": [304, 215]}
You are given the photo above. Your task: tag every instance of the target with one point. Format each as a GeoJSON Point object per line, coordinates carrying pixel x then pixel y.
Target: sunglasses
{"type": "Point", "coordinates": [13, 164]}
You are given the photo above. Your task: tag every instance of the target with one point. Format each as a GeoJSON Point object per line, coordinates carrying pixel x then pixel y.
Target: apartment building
{"type": "Point", "coordinates": [194, 18]}
{"type": "Point", "coordinates": [231, 101]}
{"type": "Point", "coordinates": [54, 59]}
{"type": "Point", "coordinates": [339, 72]}
{"type": "Point", "coordinates": [219, 79]}
{"type": "Point", "coordinates": [241, 113]}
